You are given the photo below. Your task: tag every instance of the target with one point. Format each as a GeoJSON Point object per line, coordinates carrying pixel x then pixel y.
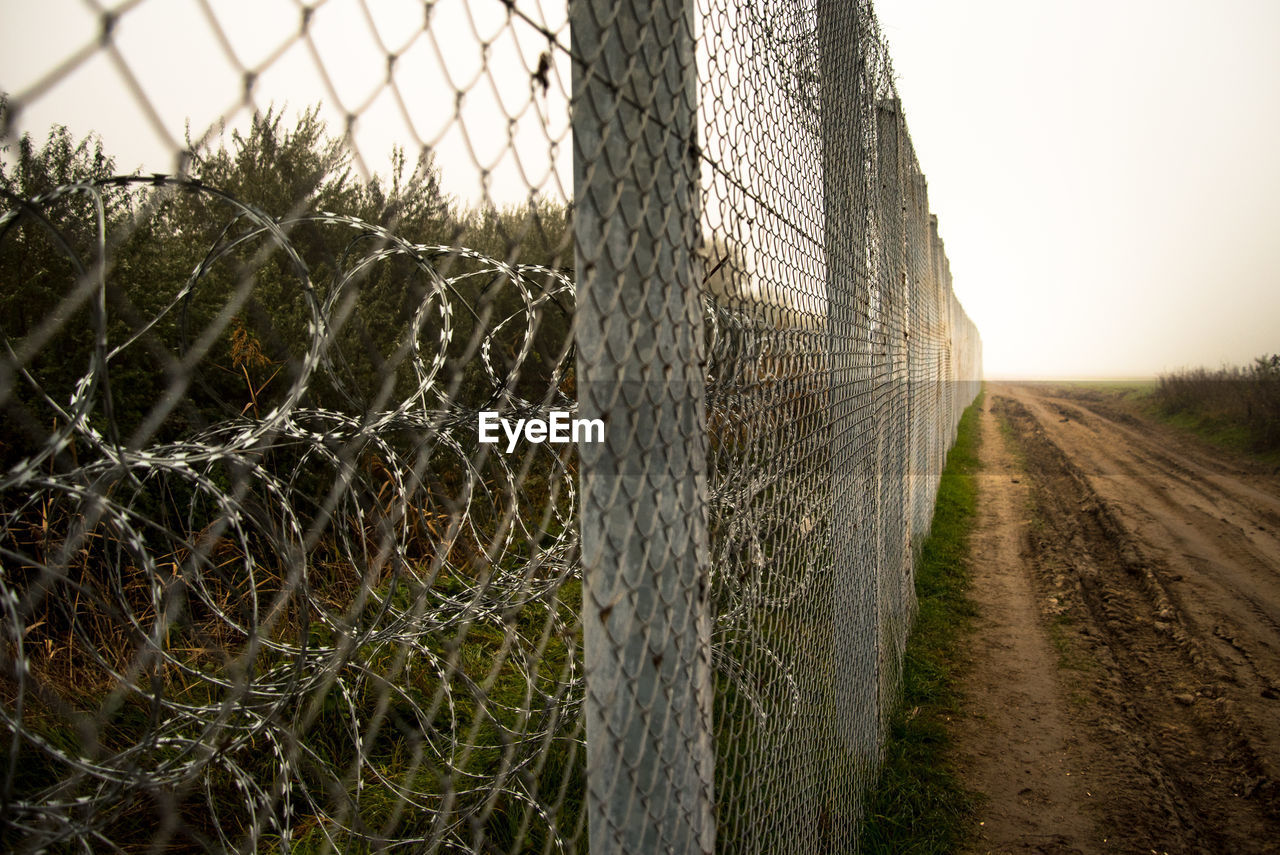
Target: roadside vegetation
{"type": "Point", "coordinates": [1236, 407]}
{"type": "Point", "coordinates": [919, 804]}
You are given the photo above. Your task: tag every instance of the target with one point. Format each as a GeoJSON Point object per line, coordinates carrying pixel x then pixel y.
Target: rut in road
{"type": "Point", "coordinates": [1163, 563]}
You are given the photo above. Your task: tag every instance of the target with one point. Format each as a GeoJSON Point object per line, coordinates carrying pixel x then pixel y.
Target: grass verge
{"type": "Point", "coordinates": [1215, 430]}
{"type": "Point", "coordinates": [919, 804]}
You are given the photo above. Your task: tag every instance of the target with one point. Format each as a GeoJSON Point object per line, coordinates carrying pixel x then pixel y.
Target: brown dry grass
{"type": "Point", "coordinates": [1245, 400]}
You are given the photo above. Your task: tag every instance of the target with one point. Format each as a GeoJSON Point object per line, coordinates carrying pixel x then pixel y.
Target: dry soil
{"type": "Point", "coordinates": [1124, 693]}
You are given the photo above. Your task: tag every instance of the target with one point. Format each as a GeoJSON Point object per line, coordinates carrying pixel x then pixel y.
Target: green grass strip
{"type": "Point", "coordinates": [1225, 433]}
{"type": "Point", "coordinates": [919, 804]}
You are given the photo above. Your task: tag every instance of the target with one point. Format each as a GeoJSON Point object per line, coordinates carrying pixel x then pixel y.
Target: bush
{"type": "Point", "coordinates": [1245, 398]}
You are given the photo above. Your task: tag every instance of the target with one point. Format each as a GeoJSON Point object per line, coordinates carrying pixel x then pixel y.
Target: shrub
{"type": "Point", "coordinates": [1245, 398]}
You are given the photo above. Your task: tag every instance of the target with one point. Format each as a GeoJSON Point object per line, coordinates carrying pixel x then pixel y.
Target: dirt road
{"type": "Point", "coordinates": [1125, 692]}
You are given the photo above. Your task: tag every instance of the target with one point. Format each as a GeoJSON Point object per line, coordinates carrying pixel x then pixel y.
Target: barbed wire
{"type": "Point", "coordinates": [173, 574]}
{"type": "Point", "coordinates": [242, 585]}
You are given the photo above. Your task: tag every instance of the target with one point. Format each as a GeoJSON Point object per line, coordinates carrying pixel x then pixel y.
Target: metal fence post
{"type": "Point", "coordinates": [919, 366]}
{"type": "Point", "coordinates": [640, 364]}
{"type": "Point", "coordinates": [896, 591]}
{"type": "Point", "coordinates": [852, 693]}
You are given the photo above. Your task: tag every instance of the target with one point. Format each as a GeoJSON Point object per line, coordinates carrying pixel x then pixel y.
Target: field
{"type": "Point", "coordinates": [1124, 688]}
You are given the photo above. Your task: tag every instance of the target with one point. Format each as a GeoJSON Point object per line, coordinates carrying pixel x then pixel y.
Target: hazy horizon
{"type": "Point", "coordinates": [1103, 175]}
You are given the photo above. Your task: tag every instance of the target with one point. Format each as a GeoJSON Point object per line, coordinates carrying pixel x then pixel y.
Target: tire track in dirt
{"type": "Point", "coordinates": [1219, 563]}
{"type": "Point", "coordinates": [1250, 487]}
{"type": "Point", "coordinates": [1142, 552]}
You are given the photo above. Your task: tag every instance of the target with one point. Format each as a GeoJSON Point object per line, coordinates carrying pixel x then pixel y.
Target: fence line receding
{"type": "Point", "coordinates": [292, 554]}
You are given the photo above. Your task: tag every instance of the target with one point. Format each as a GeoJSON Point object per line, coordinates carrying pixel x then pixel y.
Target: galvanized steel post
{"type": "Point", "coordinates": [640, 368]}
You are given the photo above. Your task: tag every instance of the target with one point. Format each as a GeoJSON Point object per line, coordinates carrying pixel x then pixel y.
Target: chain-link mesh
{"type": "Point", "coordinates": [840, 364]}
{"type": "Point", "coordinates": [293, 556]}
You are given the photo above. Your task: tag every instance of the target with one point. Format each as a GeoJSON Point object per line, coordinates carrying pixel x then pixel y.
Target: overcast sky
{"type": "Point", "coordinates": [1104, 171]}
{"type": "Point", "coordinates": [1105, 175]}
{"type": "Point", "coordinates": [482, 114]}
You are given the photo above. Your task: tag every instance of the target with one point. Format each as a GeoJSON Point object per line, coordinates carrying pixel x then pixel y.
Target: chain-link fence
{"type": "Point", "coordinates": [549, 483]}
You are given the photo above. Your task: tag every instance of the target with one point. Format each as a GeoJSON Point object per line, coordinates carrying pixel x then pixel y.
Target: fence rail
{"type": "Point", "coordinates": [265, 585]}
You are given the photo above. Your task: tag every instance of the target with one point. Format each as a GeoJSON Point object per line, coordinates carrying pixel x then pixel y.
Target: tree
{"type": "Point", "coordinates": [51, 257]}
{"type": "Point", "coordinates": [279, 276]}
{"type": "Point", "coordinates": [201, 277]}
